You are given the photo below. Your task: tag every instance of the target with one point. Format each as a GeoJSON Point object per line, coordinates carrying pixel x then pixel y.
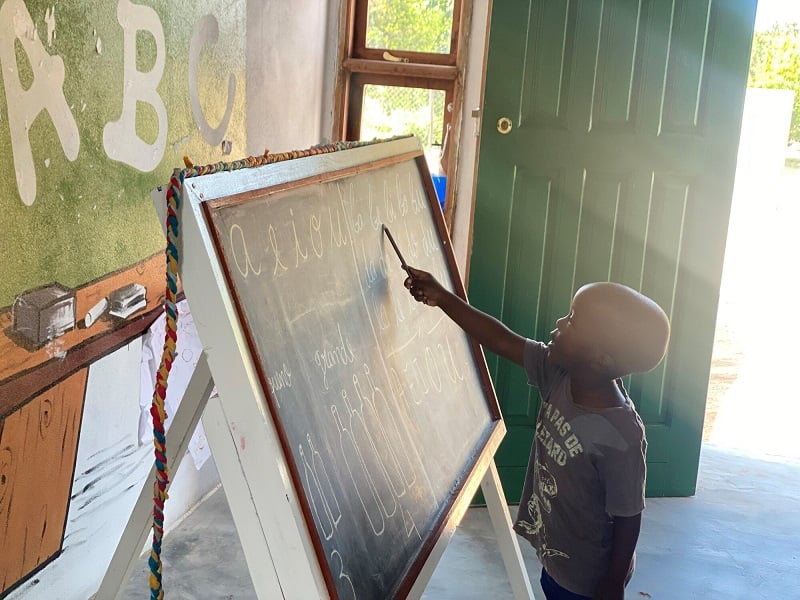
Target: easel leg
{"type": "Point", "coordinates": [245, 515]}
{"type": "Point", "coordinates": [140, 522]}
{"type": "Point", "coordinates": [506, 538]}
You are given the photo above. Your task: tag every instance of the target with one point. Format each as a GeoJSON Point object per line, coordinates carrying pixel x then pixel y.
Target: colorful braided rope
{"type": "Point", "coordinates": [157, 408]}
{"type": "Point", "coordinates": [268, 159]}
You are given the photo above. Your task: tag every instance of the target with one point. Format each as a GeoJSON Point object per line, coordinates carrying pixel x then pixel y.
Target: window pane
{"type": "Point", "coordinates": [389, 111]}
{"type": "Point", "coordinates": [414, 25]}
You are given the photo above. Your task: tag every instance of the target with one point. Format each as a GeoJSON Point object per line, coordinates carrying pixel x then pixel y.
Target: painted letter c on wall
{"type": "Point", "coordinates": [207, 32]}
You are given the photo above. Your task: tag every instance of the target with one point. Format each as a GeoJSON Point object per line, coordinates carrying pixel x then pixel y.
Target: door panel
{"type": "Point", "coordinates": [619, 167]}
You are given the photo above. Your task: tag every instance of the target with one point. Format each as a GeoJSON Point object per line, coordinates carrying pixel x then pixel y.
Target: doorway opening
{"type": "Point", "coordinates": [750, 406]}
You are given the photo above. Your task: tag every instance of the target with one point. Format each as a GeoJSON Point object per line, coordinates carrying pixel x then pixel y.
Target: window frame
{"type": "Point", "coordinates": [360, 66]}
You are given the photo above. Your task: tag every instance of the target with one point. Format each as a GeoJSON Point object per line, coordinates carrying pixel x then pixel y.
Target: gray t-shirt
{"type": "Point", "coordinates": [585, 466]}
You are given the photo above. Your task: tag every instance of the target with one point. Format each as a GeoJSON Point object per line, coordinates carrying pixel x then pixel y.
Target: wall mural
{"type": "Point", "coordinates": [99, 102]}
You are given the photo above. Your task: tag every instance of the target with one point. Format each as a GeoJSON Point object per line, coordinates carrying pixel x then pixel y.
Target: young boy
{"type": "Point", "coordinates": [583, 495]}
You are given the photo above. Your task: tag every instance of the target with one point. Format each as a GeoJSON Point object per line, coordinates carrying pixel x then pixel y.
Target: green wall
{"type": "Point", "coordinates": [93, 216]}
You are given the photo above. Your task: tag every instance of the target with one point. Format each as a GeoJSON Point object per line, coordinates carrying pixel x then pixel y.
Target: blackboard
{"type": "Point", "coordinates": [383, 406]}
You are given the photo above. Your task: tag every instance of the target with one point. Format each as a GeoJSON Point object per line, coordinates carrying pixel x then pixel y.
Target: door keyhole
{"type": "Point", "coordinates": [504, 125]}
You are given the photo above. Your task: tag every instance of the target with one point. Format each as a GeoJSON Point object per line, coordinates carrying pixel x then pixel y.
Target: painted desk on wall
{"type": "Point", "coordinates": [42, 391]}
{"type": "Point", "coordinates": [353, 425]}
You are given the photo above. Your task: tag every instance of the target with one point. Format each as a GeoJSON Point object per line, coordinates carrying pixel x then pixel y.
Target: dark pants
{"type": "Point", "coordinates": [553, 591]}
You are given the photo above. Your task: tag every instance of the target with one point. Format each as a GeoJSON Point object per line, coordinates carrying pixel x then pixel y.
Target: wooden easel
{"type": "Point", "coordinates": [247, 447]}
{"type": "Point", "coordinates": [222, 441]}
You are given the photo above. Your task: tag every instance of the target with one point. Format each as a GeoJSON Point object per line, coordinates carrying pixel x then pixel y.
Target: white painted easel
{"type": "Point", "coordinates": [242, 437]}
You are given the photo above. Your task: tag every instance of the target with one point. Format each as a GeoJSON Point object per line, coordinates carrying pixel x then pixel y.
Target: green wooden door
{"type": "Point", "coordinates": [619, 166]}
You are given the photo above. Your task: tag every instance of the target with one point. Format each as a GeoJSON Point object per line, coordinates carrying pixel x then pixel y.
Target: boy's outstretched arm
{"type": "Point", "coordinates": [487, 331]}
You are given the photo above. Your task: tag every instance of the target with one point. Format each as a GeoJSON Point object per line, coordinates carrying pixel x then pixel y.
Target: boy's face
{"type": "Point", "coordinates": [576, 340]}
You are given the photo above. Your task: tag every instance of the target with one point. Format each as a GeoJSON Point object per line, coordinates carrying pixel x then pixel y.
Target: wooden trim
{"type": "Point", "coordinates": [476, 164]}
{"type": "Point", "coordinates": [416, 70]}
{"type": "Point", "coordinates": [227, 201]}
{"type": "Point", "coordinates": [362, 79]}
{"type": "Point", "coordinates": [456, 39]}
{"type": "Point", "coordinates": [348, 25]}
{"type": "Point", "coordinates": [449, 121]}
{"type": "Point", "coordinates": [359, 33]}
{"type": "Point", "coordinates": [342, 83]}
{"type": "Point", "coordinates": [355, 101]}
{"type": "Point", "coordinates": [408, 56]}
{"type": "Point", "coordinates": [455, 118]}
{"type": "Point", "coordinates": [450, 141]}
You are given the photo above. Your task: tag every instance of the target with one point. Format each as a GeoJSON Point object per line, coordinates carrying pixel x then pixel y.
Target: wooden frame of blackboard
{"type": "Point", "coordinates": [470, 476]}
{"type": "Point", "coordinates": [472, 472]}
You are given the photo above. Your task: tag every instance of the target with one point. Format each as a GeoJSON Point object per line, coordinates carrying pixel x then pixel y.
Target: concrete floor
{"type": "Point", "coordinates": [738, 538]}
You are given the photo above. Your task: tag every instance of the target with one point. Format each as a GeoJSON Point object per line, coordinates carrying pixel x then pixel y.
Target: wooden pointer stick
{"type": "Point", "coordinates": [396, 249]}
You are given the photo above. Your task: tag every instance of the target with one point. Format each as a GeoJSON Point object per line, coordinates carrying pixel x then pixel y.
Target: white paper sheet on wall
{"type": "Point", "coordinates": [187, 353]}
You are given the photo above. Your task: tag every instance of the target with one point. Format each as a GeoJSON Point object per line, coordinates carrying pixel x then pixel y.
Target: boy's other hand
{"type": "Point", "coordinates": [610, 590]}
{"type": "Point", "coordinates": [424, 287]}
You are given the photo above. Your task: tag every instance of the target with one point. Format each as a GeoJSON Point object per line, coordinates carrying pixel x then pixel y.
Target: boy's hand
{"type": "Point", "coordinates": [610, 590]}
{"type": "Point", "coordinates": [424, 287]}
{"type": "Point", "coordinates": [483, 328]}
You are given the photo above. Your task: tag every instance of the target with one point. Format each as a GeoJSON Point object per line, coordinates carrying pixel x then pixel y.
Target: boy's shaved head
{"type": "Point", "coordinates": [632, 330]}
